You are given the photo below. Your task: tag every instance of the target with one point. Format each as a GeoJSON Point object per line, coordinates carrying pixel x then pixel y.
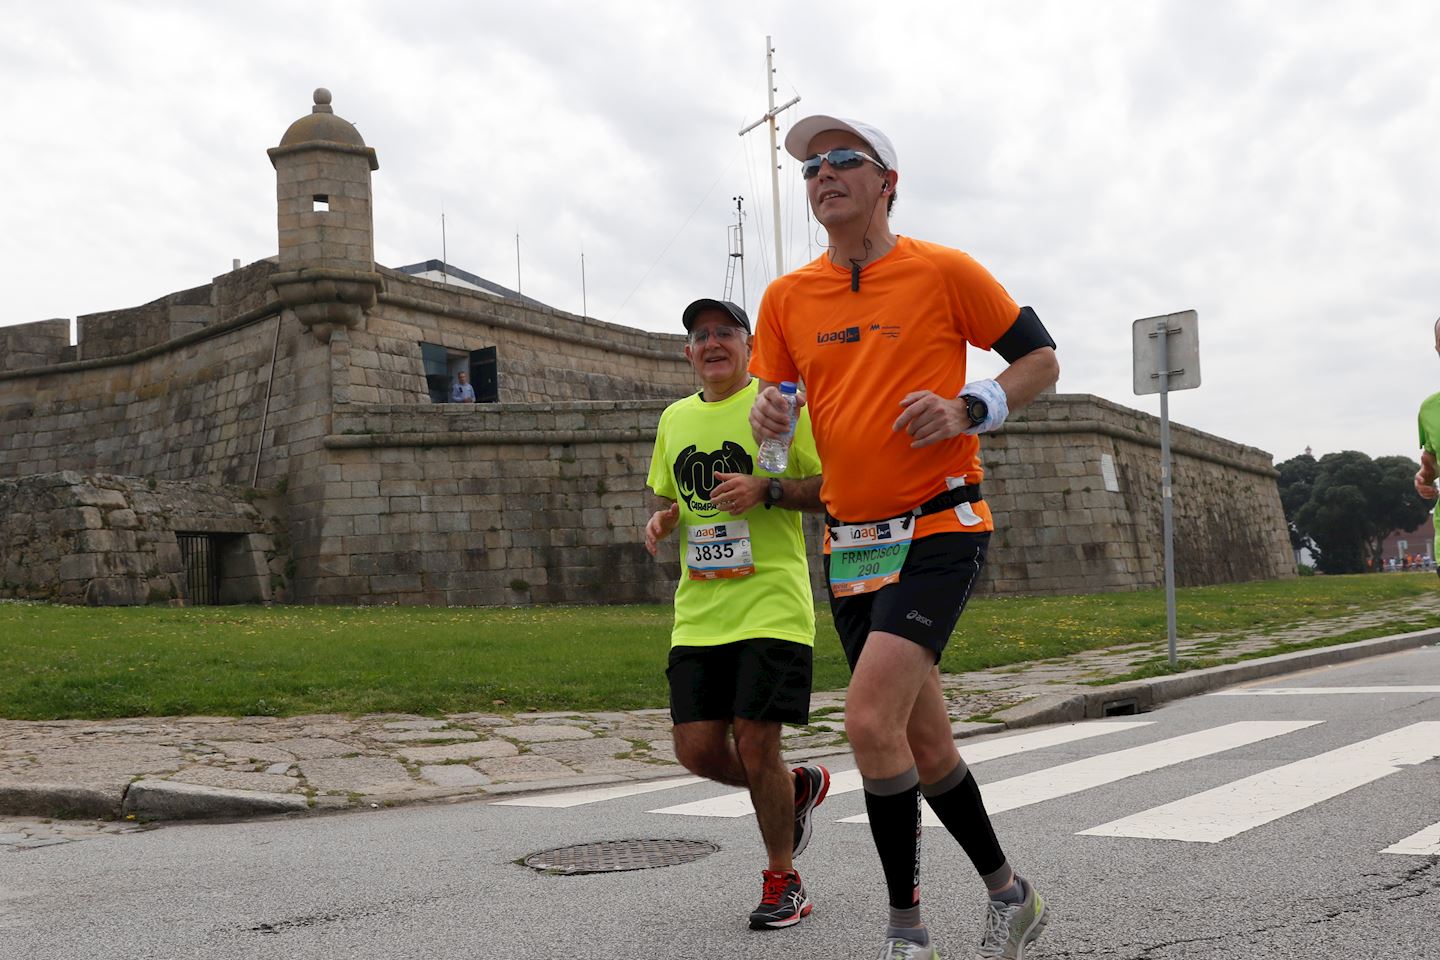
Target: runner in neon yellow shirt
{"type": "Point", "coordinates": [741, 650]}
{"type": "Point", "coordinates": [1429, 449]}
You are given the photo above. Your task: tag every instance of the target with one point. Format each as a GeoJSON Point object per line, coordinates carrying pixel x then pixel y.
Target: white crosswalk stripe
{"type": "Point", "coordinates": [1232, 809]}
{"type": "Point", "coordinates": [1210, 816]}
{"type": "Point", "coordinates": [1426, 843]}
{"type": "Point", "coordinates": [1086, 774]}
{"type": "Point", "coordinates": [739, 805]}
{"type": "Point", "coordinates": [596, 795]}
{"type": "Point", "coordinates": [1317, 691]}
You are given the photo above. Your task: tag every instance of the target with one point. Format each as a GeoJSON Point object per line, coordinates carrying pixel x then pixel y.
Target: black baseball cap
{"type": "Point", "coordinates": [724, 306]}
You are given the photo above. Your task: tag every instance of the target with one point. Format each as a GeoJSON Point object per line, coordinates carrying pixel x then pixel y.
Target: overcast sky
{"type": "Point", "coordinates": [1269, 164]}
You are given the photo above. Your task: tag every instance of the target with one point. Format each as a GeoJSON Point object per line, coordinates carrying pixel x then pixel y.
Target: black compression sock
{"type": "Point", "coordinates": [956, 801]}
{"type": "Point", "coordinates": [893, 806]}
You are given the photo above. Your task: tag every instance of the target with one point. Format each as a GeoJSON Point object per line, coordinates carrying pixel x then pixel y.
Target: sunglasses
{"type": "Point", "coordinates": [721, 334]}
{"type": "Point", "coordinates": [841, 158]}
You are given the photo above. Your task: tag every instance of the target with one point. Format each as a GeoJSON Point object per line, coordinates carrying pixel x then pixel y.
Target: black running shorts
{"type": "Point", "coordinates": [760, 679]}
{"type": "Point", "coordinates": [939, 572]}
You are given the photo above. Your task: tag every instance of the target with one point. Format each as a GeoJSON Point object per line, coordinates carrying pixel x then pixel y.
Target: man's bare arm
{"type": "Point", "coordinates": [1425, 478]}
{"type": "Point", "coordinates": [802, 494]}
{"type": "Point", "coordinates": [738, 492]}
{"type": "Point", "coordinates": [930, 418]}
{"type": "Point", "coordinates": [1029, 376]}
{"type": "Point", "coordinates": [661, 523]}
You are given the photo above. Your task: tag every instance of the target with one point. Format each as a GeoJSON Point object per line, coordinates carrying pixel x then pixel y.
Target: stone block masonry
{"type": "Point", "coordinates": [542, 354]}
{"type": "Point", "coordinates": [496, 504]}
{"type": "Point", "coordinates": [35, 344]}
{"type": "Point", "coordinates": [189, 407]}
{"type": "Point", "coordinates": [112, 541]}
{"type": "Point", "coordinates": [1074, 484]}
{"type": "Point", "coordinates": [545, 503]}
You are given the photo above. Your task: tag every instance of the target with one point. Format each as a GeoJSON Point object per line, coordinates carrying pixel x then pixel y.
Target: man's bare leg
{"type": "Point", "coordinates": [772, 788]}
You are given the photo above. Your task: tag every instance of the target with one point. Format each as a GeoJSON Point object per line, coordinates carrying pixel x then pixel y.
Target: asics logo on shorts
{"type": "Point", "coordinates": [919, 618]}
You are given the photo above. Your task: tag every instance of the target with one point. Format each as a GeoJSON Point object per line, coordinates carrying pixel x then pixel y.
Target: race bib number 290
{"type": "Point", "coordinates": [867, 556]}
{"type": "Point", "coordinates": [720, 551]}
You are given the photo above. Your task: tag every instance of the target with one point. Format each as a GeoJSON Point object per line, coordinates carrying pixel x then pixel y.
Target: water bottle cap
{"type": "Point", "coordinates": [787, 386]}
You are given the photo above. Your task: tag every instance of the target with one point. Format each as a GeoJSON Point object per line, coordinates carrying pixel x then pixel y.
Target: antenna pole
{"type": "Point", "coordinates": [517, 263]}
{"type": "Point", "coordinates": [737, 254]}
{"type": "Point", "coordinates": [444, 253]}
{"type": "Point", "coordinates": [584, 299]}
{"type": "Point", "coordinates": [740, 235]}
{"type": "Point", "coordinates": [769, 119]}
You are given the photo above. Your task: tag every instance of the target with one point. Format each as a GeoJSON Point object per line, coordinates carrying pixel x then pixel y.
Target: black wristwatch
{"type": "Point", "coordinates": [773, 493]}
{"type": "Point", "coordinates": [976, 409]}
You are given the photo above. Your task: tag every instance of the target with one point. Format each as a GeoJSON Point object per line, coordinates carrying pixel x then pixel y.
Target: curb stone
{"type": "Point", "coordinates": [171, 800]}
{"type": "Point", "coordinates": [62, 799]}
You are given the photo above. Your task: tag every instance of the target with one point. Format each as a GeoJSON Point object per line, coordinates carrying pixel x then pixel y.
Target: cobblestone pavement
{"type": "Point", "coordinates": [107, 776]}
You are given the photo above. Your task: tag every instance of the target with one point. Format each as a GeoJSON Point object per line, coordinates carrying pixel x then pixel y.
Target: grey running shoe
{"type": "Point", "coordinates": [812, 783]}
{"type": "Point", "coordinates": [897, 948]}
{"type": "Point", "coordinates": [1011, 927]}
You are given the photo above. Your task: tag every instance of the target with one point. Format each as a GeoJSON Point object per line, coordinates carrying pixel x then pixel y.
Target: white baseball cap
{"type": "Point", "coordinates": [797, 141]}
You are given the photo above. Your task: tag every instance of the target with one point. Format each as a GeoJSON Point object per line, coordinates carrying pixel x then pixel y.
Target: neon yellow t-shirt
{"type": "Point", "coordinates": [696, 439]}
{"type": "Point", "coordinates": [1430, 440]}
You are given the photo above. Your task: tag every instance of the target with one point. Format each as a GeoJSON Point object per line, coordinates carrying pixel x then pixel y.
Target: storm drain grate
{"type": "Point", "coordinates": [614, 856]}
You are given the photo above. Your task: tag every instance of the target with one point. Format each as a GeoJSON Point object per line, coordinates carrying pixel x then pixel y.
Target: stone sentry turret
{"type": "Point", "coordinates": [327, 234]}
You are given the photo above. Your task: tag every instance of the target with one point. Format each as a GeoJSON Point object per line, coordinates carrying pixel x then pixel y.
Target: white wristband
{"type": "Point", "coordinates": [996, 405]}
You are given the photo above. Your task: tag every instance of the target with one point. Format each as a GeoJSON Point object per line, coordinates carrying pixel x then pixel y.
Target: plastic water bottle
{"type": "Point", "coordinates": [775, 454]}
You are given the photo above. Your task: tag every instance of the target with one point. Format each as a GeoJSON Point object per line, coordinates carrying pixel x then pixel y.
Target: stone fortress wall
{"type": "Point", "coordinates": [1074, 484]}
{"type": "Point", "coordinates": [107, 540]}
{"type": "Point", "coordinates": [303, 375]}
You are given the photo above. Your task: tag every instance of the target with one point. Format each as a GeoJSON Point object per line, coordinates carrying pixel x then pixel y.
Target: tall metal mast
{"type": "Point", "coordinates": [769, 118]}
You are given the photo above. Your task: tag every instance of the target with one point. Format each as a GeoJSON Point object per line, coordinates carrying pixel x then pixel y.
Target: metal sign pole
{"type": "Point", "coordinates": [1166, 511]}
{"type": "Point", "coordinates": [1172, 363]}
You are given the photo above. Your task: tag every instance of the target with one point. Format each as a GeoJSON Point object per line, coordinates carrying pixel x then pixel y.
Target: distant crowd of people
{"type": "Point", "coordinates": [1407, 561]}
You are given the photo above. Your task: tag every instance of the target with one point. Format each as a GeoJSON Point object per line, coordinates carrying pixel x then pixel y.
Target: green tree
{"type": "Point", "coordinates": [1353, 505]}
{"type": "Point", "coordinates": [1297, 480]}
{"type": "Point", "coordinates": [1397, 504]}
{"type": "Point", "coordinates": [1335, 517]}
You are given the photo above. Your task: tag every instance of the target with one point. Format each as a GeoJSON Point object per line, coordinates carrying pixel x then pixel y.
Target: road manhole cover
{"type": "Point", "coordinates": [613, 856]}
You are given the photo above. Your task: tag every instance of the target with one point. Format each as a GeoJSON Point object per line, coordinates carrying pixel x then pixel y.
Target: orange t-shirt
{"type": "Point", "coordinates": [860, 352]}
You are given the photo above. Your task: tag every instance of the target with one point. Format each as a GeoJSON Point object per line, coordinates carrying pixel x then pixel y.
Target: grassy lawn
{"type": "Point", "coordinates": [73, 662]}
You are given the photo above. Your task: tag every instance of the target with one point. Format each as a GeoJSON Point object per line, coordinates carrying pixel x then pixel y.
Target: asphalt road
{"type": "Point", "coordinates": [1278, 833]}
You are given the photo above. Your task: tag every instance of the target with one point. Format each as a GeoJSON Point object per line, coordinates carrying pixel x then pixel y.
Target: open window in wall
{"type": "Point", "coordinates": [484, 374]}
{"type": "Point", "coordinates": [437, 371]}
{"type": "Point", "coordinates": [444, 366]}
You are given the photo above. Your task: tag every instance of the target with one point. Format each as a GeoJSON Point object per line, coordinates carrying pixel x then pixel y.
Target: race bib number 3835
{"type": "Point", "coordinates": [719, 551]}
{"type": "Point", "coordinates": [866, 556]}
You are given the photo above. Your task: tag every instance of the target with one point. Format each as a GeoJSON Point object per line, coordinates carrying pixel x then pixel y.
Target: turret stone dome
{"type": "Point", "coordinates": [321, 124]}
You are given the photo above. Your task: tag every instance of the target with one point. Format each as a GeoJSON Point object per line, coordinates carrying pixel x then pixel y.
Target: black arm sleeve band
{"type": "Point", "coordinates": [1025, 334]}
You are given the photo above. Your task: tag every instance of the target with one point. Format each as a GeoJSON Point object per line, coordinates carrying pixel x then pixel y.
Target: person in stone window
{"type": "Point", "coordinates": [461, 391]}
{"type": "Point", "coordinates": [741, 648]}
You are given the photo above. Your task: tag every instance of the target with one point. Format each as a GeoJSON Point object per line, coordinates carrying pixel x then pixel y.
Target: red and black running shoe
{"type": "Point", "coordinates": [812, 782]}
{"type": "Point", "coordinates": [783, 901]}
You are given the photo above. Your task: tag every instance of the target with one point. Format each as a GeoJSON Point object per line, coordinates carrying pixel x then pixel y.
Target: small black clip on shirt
{"type": "Point", "coordinates": [854, 276]}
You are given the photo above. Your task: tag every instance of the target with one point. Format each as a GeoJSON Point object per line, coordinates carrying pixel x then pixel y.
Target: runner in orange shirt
{"type": "Point", "coordinates": [877, 328]}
